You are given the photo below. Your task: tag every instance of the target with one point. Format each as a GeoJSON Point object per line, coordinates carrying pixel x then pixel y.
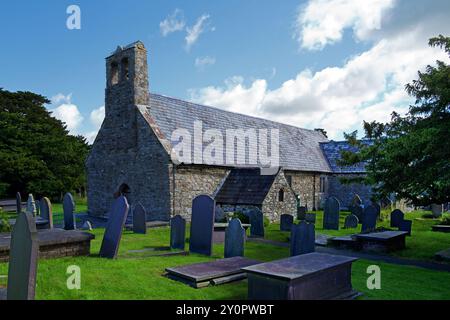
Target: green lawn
{"type": "Point", "coordinates": [422, 245]}
{"type": "Point", "coordinates": [138, 276]}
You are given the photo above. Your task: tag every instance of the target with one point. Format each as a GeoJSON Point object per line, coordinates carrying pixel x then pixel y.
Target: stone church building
{"type": "Point", "coordinates": [136, 153]}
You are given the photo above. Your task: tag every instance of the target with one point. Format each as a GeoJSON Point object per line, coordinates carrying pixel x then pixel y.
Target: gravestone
{"type": "Point", "coordinates": [87, 226]}
{"type": "Point", "coordinates": [331, 214]}
{"type": "Point", "coordinates": [139, 219]}
{"type": "Point", "coordinates": [358, 212]}
{"type": "Point", "coordinates": [378, 207]}
{"type": "Point", "coordinates": [46, 212]}
{"type": "Point", "coordinates": [357, 200]}
{"type": "Point", "coordinates": [69, 208]}
{"type": "Point", "coordinates": [256, 218]}
{"type": "Point", "coordinates": [38, 207]}
{"type": "Point", "coordinates": [31, 205]}
{"type": "Point", "coordinates": [369, 218]}
{"type": "Point", "coordinates": [23, 258]}
{"type": "Point", "coordinates": [397, 216]}
{"type": "Point", "coordinates": [351, 221]}
{"type": "Point", "coordinates": [301, 213]}
{"type": "Point", "coordinates": [114, 228]}
{"type": "Point", "coordinates": [18, 203]}
{"type": "Point", "coordinates": [405, 225]}
{"type": "Point", "coordinates": [220, 215]}
{"type": "Point", "coordinates": [177, 232]}
{"type": "Point", "coordinates": [310, 217]}
{"type": "Point", "coordinates": [437, 210]}
{"type": "Point", "coordinates": [202, 225]}
{"type": "Point", "coordinates": [303, 237]}
{"type": "Point", "coordinates": [234, 239]}
{"type": "Point", "coordinates": [286, 221]}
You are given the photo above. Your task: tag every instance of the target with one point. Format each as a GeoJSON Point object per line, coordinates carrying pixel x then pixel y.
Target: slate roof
{"type": "Point", "coordinates": [299, 148]}
{"type": "Point", "coordinates": [245, 187]}
{"type": "Point", "coordinates": [332, 151]}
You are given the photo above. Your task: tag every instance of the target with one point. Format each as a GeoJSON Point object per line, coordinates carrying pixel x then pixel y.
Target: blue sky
{"type": "Point", "coordinates": [329, 63]}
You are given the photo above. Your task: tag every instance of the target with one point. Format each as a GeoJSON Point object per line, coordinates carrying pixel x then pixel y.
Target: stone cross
{"type": "Point", "coordinates": [114, 228]}
{"type": "Point", "coordinates": [331, 214]}
{"type": "Point", "coordinates": [351, 221]}
{"type": "Point", "coordinates": [234, 239]}
{"type": "Point", "coordinates": [18, 203]}
{"type": "Point", "coordinates": [256, 218]}
{"type": "Point", "coordinates": [397, 217]}
{"type": "Point", "coordinates": [31, 205]}
{"type": "Point", "coordinates": [303, 238]}
{"type": "Point", "coordinates": [202, 225]}
{"type": "Point", "coordinates": [23, 257]}
{"type": "Point", "coordinates": [69, 208]}
{"type": "Point", "coordinates": [177, 232]}
{"type": "Point", "coordinates": [286, 221]}
{"type": "Point", "coordinates": [139, 219]}
{"type": "Point", "coordinates": [46, 211]}
{"type": "Point", "coordinates": [370, 216]}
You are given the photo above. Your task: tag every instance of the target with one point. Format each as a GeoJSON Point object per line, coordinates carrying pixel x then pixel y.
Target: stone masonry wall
{"type": "Point", "coordinates": [345, 192]}
{"type": "Point", "coordinates": [303, 185]}
{"type": "Point", "coordinates": [272, 208]}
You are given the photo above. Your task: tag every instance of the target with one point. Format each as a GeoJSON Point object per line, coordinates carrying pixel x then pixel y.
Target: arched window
{"type": "Point", "coordinates": [114, 73]}
{"type": "Point", "coordinates": [281, 195]}
{"type": "Point", "coordinates": [124, 190]}
{"type": "Point", "coordinates": [125, 70]}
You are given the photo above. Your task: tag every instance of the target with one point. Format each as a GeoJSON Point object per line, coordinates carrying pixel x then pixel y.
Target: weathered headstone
{"type": "Point", "coordinates": [177, 232]}
{"type": "Point", "coordinates": [369, 218]}
{"type": "Point", "coordinates": [87, 225]}
{"type": "Point", "coordinates": [220, 215]}
{"type": "Point", "coordinates": [114, 228]}
{"type": "Point", "coordinates": [356, 201]}
{"type": "Point", "coordinates": [303, 238]}
{"type": "Point", "coordinates": [139, 219]}
{"type": "Point", "coordinates": [286, 221]}
{"type": "Point", "coordinates": [38, 207]}
{"type": "Point", "coordinates": [437, 210]}
{"type": "Point", "coordinates": [378, 207]}
{"type": "Point", "coordinates": [46, 212]}
{"type": "Point", "coordinates": [31, 205]}
{"type": "Point", "coordinates": [351, 221]}
{"type": "Point", "coordinates": [405, 225]}
{"type": "Point", "coordinates": [69, 208]}
{"type": "Point", "coordinates": [397, 216]}
{"type": "Point", "coordinates": [301, 213]}
{"type": "Point", "coordinates": [310, 217]}
{"type": "Point", "coordinates": [234, 239]}
{"type": "Point", "coordinates": [202, 225]}
{"type": "Point", "coordinates": [256, 218]}
{"type": "Point", "coordinates": [331, 214]}
{"type": "Point", "coordinates": [18, 203]}
{"type": "Point", "coordinates": [357, 211]}
{"type": "Point", "coordinates": [23, 258]}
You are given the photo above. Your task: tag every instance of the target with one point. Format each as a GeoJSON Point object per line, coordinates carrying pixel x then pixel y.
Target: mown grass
{"type": "Point", "coordinates": [140, 276]}
{"type": "Point", "coordinates": [422, 245]}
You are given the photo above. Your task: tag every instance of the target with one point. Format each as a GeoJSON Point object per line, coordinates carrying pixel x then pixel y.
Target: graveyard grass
{"type": "Point", "coordinates": [138, 276]}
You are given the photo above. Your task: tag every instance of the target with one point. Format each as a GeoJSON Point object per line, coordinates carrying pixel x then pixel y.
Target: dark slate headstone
{"type": "Point", "coordinates": [31, 205]}
{"type": "Point", "coordinates": [177, 232]}
{"type": "Point", "coordinates": [286, 221]}
{"type": "Point", "coordinates": [351, 221]}
{"type": "Point", "coordinates": [18, 203]}
{"type": "Point", "coordinates": [46, 211]}
{"type": "Point", "coordinates": [69, 208]}
{"type": "Point", "coordinates": [331, 214]}
{"type": "Point", "coordinates": [202, 225]}
{"type": "Point", "coordinates": [301, 213]}
{"type": "Point", "coordinates": [114, 228]}
{"type": "Point", "coordinates": [256, 218]}
{"type": "Point", "coordinates": [23, 258]}
{"type": "Point", "coordinates": [397, 216]}
{"type": "Point", "coordinates": [310, 217]}
{"type": "Point", "coordinates": [369, 218]}
{"type": "Point", "coordinates": [303, 237]}
{"type": "Point", "coordinates": [378, 207]}
{"type": "Point", "coordinates": [139, 219]}
{"type": "Point", "coordinates": [405, 225]}
{"type": "Point", "coordinates": [234, 239]}
{"type": "Point", "coordinates": [357, 210]}
{"type": "Point", "coordinates": [38, 208]}
{"type": "Point", "coordinates": [357, 200]}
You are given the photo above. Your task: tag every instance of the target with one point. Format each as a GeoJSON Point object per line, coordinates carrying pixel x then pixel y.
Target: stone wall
{"type": "Point", "coordinates": [303, 185]}
{"type": "Point", "coordinates": [272, 207]}
{"type": "Point", "coordinates": [345, 192]}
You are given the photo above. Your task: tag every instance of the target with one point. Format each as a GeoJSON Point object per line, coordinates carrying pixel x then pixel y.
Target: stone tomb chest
{"type": "Point", "coordinates": [312, 276]}
{"type": "Point", "coordinates": [385, 241]}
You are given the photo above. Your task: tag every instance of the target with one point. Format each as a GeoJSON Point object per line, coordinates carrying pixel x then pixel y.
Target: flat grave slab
{"type": "Point", "coordinates": [311, 276]}
{"type": "Point", "coordinates": [441, 228]}
{"type": "Point", "coordinates": [385, 241]}
{"type": "Point", "coordinates": [203, 274]}
{"type": "Point", "coordinates": [322, 239]}
{"type": "Point", "coordinates": [443, 255]}
{"type": "Point", "coordinates": [150, 224]}
{"type": "Point", "coordinates": [54, 243]}
{"type": "Point", "coordinates": [345, 242]}
{"type": "Point", "coordinates": [219, 231]}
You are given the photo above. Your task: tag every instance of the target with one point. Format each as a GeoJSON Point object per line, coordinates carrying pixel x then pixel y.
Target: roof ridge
{"type": "Point", "coordinates": [232, 112]}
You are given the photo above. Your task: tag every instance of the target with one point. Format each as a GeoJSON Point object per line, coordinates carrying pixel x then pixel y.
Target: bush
{"type": "Point", "coordinates": [445, 220]}
{"type": "Point", "coordinates": [5, 226]}
{"type": "Point", "coordinates": [266, 222]}
{"type": "Point", "coordinates": [244, 219]}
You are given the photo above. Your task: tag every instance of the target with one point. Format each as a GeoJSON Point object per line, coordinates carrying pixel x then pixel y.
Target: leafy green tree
{"type": "Point", "coordinates": [410, 155]}
{"type": "Point", "coordinates": [37, 154]}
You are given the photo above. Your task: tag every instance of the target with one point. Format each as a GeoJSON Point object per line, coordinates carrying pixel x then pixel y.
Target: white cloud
{"type": "Point", "coordinates": [174, 22]}
{"type": "Point", "coordinates": [69, 114]}
{"type": "Point", "coordinates": [202, 62]}
{"type": "Point", "coordinates": [194, 32]}
{"type": "Point", "coordinates": [369, 86]}
{"type": "Point", "coordinates": [97, 116]}
{"type": "Point", "coordinates": [61, 98]}
{"type": "Point", "coordinates": [323, 22]}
